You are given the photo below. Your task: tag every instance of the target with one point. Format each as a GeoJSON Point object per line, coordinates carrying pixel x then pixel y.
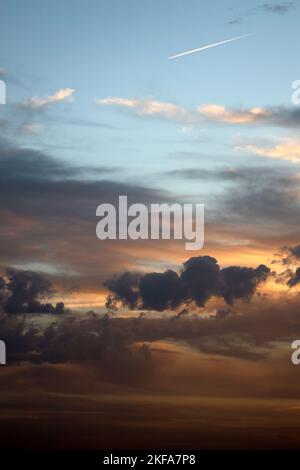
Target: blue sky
{"type": "Point", "coordinates": [116, 48]}
{"type": "Point", "coordinates": [120, 48]}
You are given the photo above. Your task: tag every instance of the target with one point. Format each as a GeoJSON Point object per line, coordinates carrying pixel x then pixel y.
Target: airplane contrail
{"type": "Point", "coordinates": [209, 46]}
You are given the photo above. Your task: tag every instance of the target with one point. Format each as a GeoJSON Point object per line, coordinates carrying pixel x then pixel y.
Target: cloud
{"type": "Point", "coordinates": [47, 209]}
{"type": "Point", "coordinates": [45, 201]}
{"type": "Point", "coordinates": [234, 21]}
{"type": "Point", "coordinates": [200, 279]}
{"type": "Point", "coordinates": [125, 289]}
{"type": "Point", "coordinates": [136, 372]}
{"type": "Point", "coordinates": [150, 108]}
{"type": "Point", "coordinates": [161, 291]}
{"type": "Point", "coordinates": [61, 95]}
{"type": "Point", "coordinates": [279, 8]}
{"type": "Point", "coordinates": [278, 116]}
{"type": "Point", "coordinates": [295, 251]}
{"type": "Point", "coordinates": [230, 116]}
{"type": "Point", "coordinates": [295, 278]}
{"type": "Point", "coordinates": [209, 113]}
{"type": "Point", "coordinates": [22, 291]}
{"type": "Point", "coordinates": [249, 333]}
{"type": "Point", "coordinates": [252, 195]}
{"type": "Point", "coordinates": [241, 282]}
{"type": "Point", "coordinates": [271, 199]}
{"type": "Point", "coordinates": [288, 150]}
{"type": "Point", "coordinates": [287, 256]}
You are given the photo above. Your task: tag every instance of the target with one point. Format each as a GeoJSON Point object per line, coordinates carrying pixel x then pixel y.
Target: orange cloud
{"type": "Point", "coordinates": [286, 150]}
{"type": "Point", "coordinates": [222, 114]}
{"type": "Point", "coordinates": [148, 107]}
{"type": "Point", "coordinates": [60, 95]}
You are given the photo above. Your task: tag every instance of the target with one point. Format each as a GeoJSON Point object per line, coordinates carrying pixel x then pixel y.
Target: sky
{"type": "Point", "coordinates": [90, 89]}
{"type": "Point", "coordinates": [94, 110]}
{"type": "Point", "coordinates": [110, 49]}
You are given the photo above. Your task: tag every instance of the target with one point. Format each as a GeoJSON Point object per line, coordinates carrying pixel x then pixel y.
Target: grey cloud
{"type": "Point", "coordinates": [22, 292]}
{"type": "Point", "coordinates": [251, 194]}
{"type": "Point", "coordinates": [287, 255]}
{"type": "Point", "coordinates": [248, 334]}
{"type": "Point", "coordinates": [278, 8]}
{"type": "Point", "coordinates": [200, 278]}
{"type": "Point", "coordinates": [294, 279]}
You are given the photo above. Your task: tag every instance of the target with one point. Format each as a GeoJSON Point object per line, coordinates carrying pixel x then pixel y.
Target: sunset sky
{"type": "Point", "coordinates": [94, 109]}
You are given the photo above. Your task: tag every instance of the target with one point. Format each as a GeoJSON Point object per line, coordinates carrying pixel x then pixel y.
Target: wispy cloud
{"type": "Point", "coordinates": [211, 112]}
{"type": "Point", "coordinates": [61, 95]}
{"type": "Point", "coordinates": [230, 116]}
{"type": "Point", "coordinates": [284, 150]}
{"type": "Point", "coordinates": [279, 8]}
{"type": "Point", "coordinates": [144, 107]}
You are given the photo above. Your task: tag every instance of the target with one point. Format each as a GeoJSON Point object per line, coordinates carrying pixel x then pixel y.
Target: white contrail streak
{"type": "Point", "coordinates": [208, 47]}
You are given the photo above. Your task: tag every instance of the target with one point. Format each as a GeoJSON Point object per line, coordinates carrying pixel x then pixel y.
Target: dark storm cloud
{"type": "Point", "coordinates": [22, 291]}
{"type": "Point", "coordinates": [200, 279]}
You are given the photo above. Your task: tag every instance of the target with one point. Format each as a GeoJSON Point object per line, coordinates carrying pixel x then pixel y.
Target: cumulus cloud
{"type": "Point", "coordinates": [22, 291]}
{"type": "Point", "coordinates": [61, 95]}
{"type": "Point", "coordinates": [199, 279]}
